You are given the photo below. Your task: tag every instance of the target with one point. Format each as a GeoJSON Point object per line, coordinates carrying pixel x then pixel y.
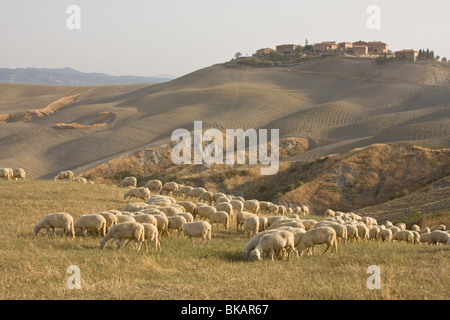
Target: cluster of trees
{"type": "Point", "coordinates": [427, 55]}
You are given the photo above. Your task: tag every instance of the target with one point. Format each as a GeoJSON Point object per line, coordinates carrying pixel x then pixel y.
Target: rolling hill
{"type": "Point", "coordinates": [334, 105]}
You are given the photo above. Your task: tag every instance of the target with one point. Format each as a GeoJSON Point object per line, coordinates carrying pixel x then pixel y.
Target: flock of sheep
{"type": "Point", "coordinates": [273, 230]}
{"type": "Point", "coordinates": [12, 174]}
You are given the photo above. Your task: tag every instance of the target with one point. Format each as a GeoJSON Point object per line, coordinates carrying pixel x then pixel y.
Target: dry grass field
{"type": "Point", "coordinates": [34, 267]}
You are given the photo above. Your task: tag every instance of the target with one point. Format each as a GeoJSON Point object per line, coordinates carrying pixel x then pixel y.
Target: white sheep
{"type": "Point", "coordinates": [176, 223]}
{"type": "Point", "coordinates": [263, 205]}
{"type": "Point", "coordinates": [125, 218]}
{"type": "Point", "coordinates": [162, 222]}
{"type": "Point", "coordinates": [225, 206]}
{"type": "Point", "coordinates": [251, 225]}
{"type": "Point", "coordinates": [253, 242]}
{"type": "Point", "coordinates": [5, 173]}
{"type": "Point", "coordinates": [275, 242]}
{"type": "Point", "coordinates": [403, 235]}
{"type": "Point", "coordinates": [386, 235]}
{"type": "Point", "coordinates": [330, 213]}
{"type": "Point", "coordinates": [221, 218]}
{"type": "Point", "coordinates": [80, 180]}
{"type": "Point", "coordinates": [272, 209]}
{"type": "Point", "coordinates": [309, 224]}
{"type": "Point", "coordinates": [237, 205]}
{"type": "Point", "coordinates": [205, 212]}
{"type": "Point", "coordinates": [363, 231]}
{"type": "Point", "coordinates": [441, 227]}
{"type": "Point", "coordinates": [341, 230]}
{"type": "Point", "coordinates": [282, 209]}
{"type": "Point", "coordinates": [195, 193]}
{"type": "Point", "coordinates": [111, 219]}
{"type": "Point", "coordinates": [273, 219]}
{"type": "Point", "coordinates": [415, 227]}
{"type": "Point", "coordinates": [206, 196]}
{"type": "Point", "coordinates": [150, 233]}
{"type": "Point", "coordinates": [91, 222]}
{"type": "Point", "coordinates": [138, 193]}
{"type": "Point", "coordinates": [124, 231]}
{"type": "Point", "coordinates": [187, 215]}
{"type": "Point", "coordinates": [305, 209]}
{"type": "Point", "coordinates": [416, 237]}
{"type": "Point", "coordinates": [128, 182]}
{"type": "Point", "coordinates": [135, 207]}
{"type": "Point", "coordinates": [438, 236]}
{"type": "Point", "coordinates": [401, 225]}
{"type": "Point", "coordinates": [263, 222]}
{"type": "Point", "coordinates": [154, 185]}
{"type": "Point", "coordinates": [189, 206]}
{"type": "Point", "coordinates": [352, 232]}
{"type": "Point", "coordinates": [222, 199]}
{"type": "Point", "coordinates": [183, 190]}
{"type": "Point", "coordinates": [240, 217]}
{"type": "Point", "coordinates": [169, 188]}
{"type": "Point", "coordinates": [56, 220]}
{"type": "Point", "coordinates": [251, 206]}
{"type": "Point", "coordinates": [318, 236]}
{"type": "Point", "coordinates": [145, 218]}
{"type": "Point", "coordinates": [374, 233]}
{"type": "Point", "coordinates": [19, 173]}
{"type": "Point", "coordinates": [64, 175]}
{"type": "Point", "coordinates": [170, 211]}
{"type": "Point", "coordinates": [425, 230]}
{"type": "Point", "coordinates": [197, 229]}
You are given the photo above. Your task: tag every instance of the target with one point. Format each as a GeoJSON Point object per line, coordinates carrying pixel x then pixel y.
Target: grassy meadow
{"type": "Point", "coordinates": [34, 267]}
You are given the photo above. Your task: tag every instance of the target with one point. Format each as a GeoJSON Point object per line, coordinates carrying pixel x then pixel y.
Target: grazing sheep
{"type": "Point", "coordinates": [263, 222]}
{"type": "Point", "coordinates": [441, 227]}
{"type": "Point", "coordinates": [206, 196]}
{"type": "Point", "coordinates": [19, 173]}
{"type": "Point", "coordinates": [251, 226]}
{"type": "Point", "coordinates": [80, 180]}
{"type": "Point", "coordinates": [56, 220]}
{"type": "Point", "coordinates": [5, 173]}
{"type": "Point", "coordinates": [282, 209]}
{"type": "Point", "coordinates": [128, 182]}
{"type": "Point", "coordinates": [225, 206]}
{"type": "Point", "coordinates": [309, 224]}
{"type": "Point", "coordinates": [162, 222]}
{"type": "Point", "coordinates": [171, 210]}
{"type": "Point", "coordinates": [415, 227]}
{"type": "Point", "coordinates": [251, 206]}
{"type": "Point", "coordinates": [220, 217]}
{"type": "Point", "coordinates": [287, 222]}
{"type": "Point", "coordinates": [330, 213]}
{"type": "Point", "coordinates": [253, 242]}
{"type": "Point", "coordinates": [176, 223]}
{"type": "Point", "coordinates": [425, 230]}
{"type": "Point", "coordinates": [205, 212]}
{"type": "Point", "coordinates": [222, 199]}
{"type": "Point", "coordinates": [400, 225]}
{"type": "Point", "coordinates": [110, 218]}
{"type": "Point", "coordinates": [169, 188]}
{"type": "Point", "coordinates": [318, 236]}
{"type": "Point", "coordinates": [272, 208]}
{"type": "Point", "coordinates": [134, 207]}
{"type": "Point", "coordinates": [277, 241]}
{"type": "Point", "coordinates": [64, 175]}
{"type": "Point", "coordinates": [263, 205]}
{"type": "Point", "coordinates": [197, 229]}
{"type": "Point", "coordinates": [195, 193]}
{"type": "Point", "coordinates": [273, 219]}
{"type": "Point", "coordinates": [125, 218]}
{"type": "Point", "coordinates": [386, 235]}
{"type": "Point", "coordinates": [240, 217]}
{"type": "Point", "coordinates": [416, 237]}
{"type": "Point", "coordinates": [124, 231]}
{"type": "Point", "coordinates": [150, 233]}
{"type": "Point", "coordinates": [91, 221]}
{"type": "Point", "coordinates": [352, 232]}
{"type": "Point", "coordinates": [189, 206]}
{"type": "Point", "coordinates": [183, 190]}
{"type": "Point", "coordinates": [154, 186]}
{"type": "Point", "coordinates": [305, 210]}
{"type": "Point", "coordinates": [187, 215]}
{"type": "Point", "coordinates": [394, 229]}
{"type": "Point", "coordinates": [374, 233]}
{"type": "Point", "coordinates": [341, 230]}
{"type": "Point", "coordinates": [363, 231]}
{"type": "Point", "coordinates": [403, 235]}
{"type": "Point", "coordinates": [237, 205]}
{"type": "Point", "coordinates": [138, 193]}
{"type": "Point", "coordinates": [145, 218]}
{"type": "Point", "coordinates": [438, 236]}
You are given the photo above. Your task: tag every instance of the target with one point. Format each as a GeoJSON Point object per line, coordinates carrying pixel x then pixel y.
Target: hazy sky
{"type": "Point", "coordinates": [151, 37]}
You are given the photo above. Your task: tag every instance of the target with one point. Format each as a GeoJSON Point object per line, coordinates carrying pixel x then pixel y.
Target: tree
{"type": "Point", "coordinates": [306, 42]}
{"type": "Point", "coordinates": [444, 59]}
{"type": "Point", "coordinates": [237, 55]}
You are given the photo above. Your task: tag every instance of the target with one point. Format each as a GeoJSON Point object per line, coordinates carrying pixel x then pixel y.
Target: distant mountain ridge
{"type": "Point", "coordinates": [71, 77]}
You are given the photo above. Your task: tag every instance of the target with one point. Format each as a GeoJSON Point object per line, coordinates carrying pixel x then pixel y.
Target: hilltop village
{"type": "Point", "coordinates": [291, 53]}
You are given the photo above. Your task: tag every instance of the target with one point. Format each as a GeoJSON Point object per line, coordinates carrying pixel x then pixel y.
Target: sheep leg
{"type": "Point", "coordinates": [328, 246]}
